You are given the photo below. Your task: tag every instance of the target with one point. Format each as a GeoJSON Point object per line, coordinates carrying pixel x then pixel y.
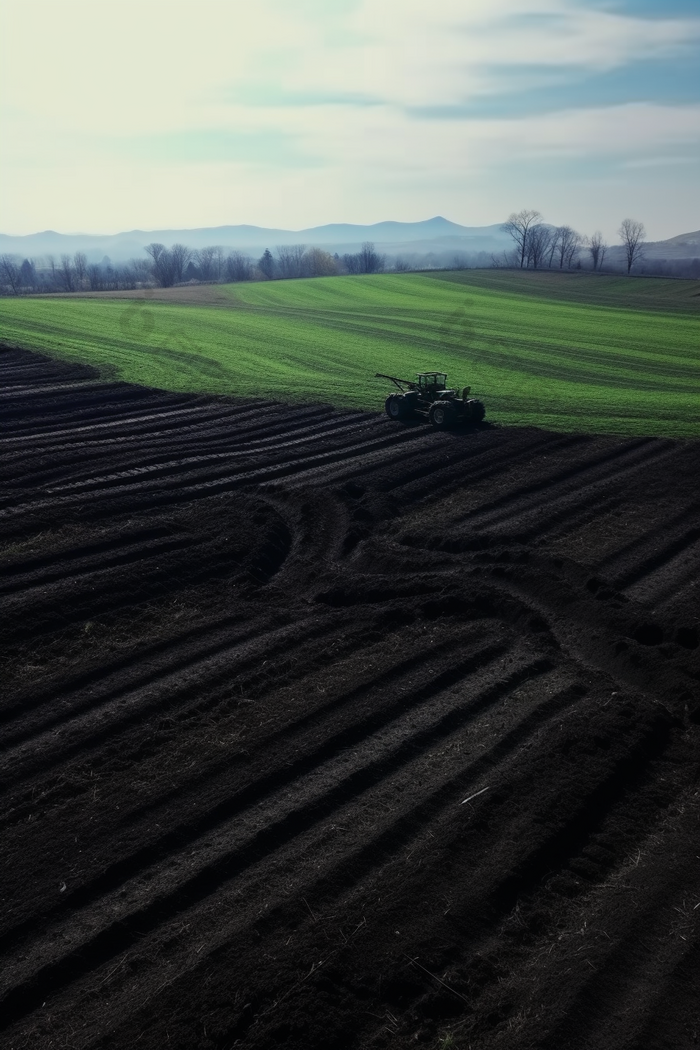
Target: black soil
{"type": "Point", "coordinates": [320, 731]}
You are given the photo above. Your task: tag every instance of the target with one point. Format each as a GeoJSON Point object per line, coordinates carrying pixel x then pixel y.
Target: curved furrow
{"type": "Point", "coordinates": [181, 484]}
{"type": "Point", "coordinates": [162, 465]}
{"type": "Point", "coordinates": [153, 421]}
{"type": "Point", "coordinates": [78, 461]}
{"type": "Point", "coordinates": [318, 729]}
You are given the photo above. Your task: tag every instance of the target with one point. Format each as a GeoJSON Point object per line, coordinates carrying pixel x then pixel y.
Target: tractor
{"type": "Point", "coordinates": [430, 397]}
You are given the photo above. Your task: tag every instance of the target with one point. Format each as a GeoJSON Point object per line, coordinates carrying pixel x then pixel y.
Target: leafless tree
{"type": "Point", "coordinates": [9, 274]}
{"type": "Point", "coordinates": [51, 266]}
{"type": "Point", "coordinates": [632, 234]}
{"type": "Point", "coordinates": [401, 265]}
{"type": "Point", "coordinates": [367, 260]}
{"type": "Point", "coordinates": [553, 247]}
{"type": "Point", "coordinates": [370, 261]}
{"type": "Point", "coordinates": [162, 264]}
{"type": "Point", "coordinates": [537, 243]}
{"type": "Point", "coordinates": [66, 274]}
{"type": "Point", "coordinates": [238, 267]}
{"type": "Point", "coordinates": [206, 262]}
{"type": "Point", "coordinates": [127, 276]}
{"type": "Point", "coordinates": [180, 255]}
{"type": "Point", "coordinates": [504, 261]}
{"type": "Point", "coordinates": [518, 226]}
{"type": "Point", "coordinates": [80, 266]}
{"type": "Point", "coordinates": [140, 271]}
{"type": "Point", "coordinates": [352, 263]}
{"type": "Point", "coordinates": [569, 243]}
{"type": "Point", "coordinates": [290, 259]}
{"type": "Point", "coordinates": [597, 249]}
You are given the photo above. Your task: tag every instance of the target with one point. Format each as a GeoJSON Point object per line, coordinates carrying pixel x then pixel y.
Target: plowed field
{"type": "Point", "coordinates": [321, 731]}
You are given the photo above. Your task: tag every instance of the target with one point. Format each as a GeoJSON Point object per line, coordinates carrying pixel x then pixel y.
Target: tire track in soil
{"type": "Point", "coordinates": [259, 654]}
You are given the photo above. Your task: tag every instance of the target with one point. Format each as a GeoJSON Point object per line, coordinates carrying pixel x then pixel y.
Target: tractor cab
{"type": "Point", "coordinates": [433, 386]}
{"type": "Point", "coordinates": [431, 382]}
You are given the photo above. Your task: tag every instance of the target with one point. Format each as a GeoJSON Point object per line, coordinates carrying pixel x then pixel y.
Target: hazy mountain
{"type": "Point", "coordinates": [435, 234]}
{"type": "Point", "coordinates": [684, 246]}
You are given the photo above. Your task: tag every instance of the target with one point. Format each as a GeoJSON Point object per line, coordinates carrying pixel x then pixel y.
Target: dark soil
{"type": "Point", "coordinates": [324, 732]}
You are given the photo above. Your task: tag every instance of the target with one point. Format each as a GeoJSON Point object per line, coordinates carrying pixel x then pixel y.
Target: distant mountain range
{"type": "Point", "coordinates": [437, 235]}
{"type": "Point", "coordinates": [684, 246]}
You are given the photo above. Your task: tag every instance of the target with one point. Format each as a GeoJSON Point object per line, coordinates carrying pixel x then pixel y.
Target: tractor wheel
{"type": "Point", "coordinates": [394, 406]}
{"type": "Point", "coordinates": [441, 416]}
{"type": "Point", "coordinates": [475, 411]}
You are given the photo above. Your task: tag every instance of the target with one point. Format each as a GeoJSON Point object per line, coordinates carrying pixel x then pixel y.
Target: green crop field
{"type": "Point", "coordinates": [561, 351]}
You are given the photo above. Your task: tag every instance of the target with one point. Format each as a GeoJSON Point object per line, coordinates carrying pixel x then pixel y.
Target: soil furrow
{"type": "Point", "coordinates": [322, 730]}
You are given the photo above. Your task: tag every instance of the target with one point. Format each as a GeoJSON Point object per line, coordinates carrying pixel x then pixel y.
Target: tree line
{"type": "Point", "coordinates": [180, 264]}
{"type": "Point", "coordinates": [541, 246]}
{"type": "Point", "coordinates": [536, 245]}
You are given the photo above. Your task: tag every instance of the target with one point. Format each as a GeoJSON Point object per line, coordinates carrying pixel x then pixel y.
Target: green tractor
{"type": "Point", "coordinates": [429, 397]}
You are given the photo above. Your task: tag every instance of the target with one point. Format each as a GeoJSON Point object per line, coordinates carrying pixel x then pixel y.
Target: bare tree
{"type": "Point", "coordinates": [80, 265]}
{"type": "Point", "coordinates": [180, 255]}
{"type": "Point", "coordinates": [537, 243]}
{"type": "Point", "coordinates": [9, 273]}
{"type": "Point", "coordinates": [51, 264]}
{"type": "Point", "coordinates": [370, 261]}
{"type": "Point", "coordinates": [352, 263]}
{"type": "Point", "coordinates": [162, 264]}
{"type": "Point", "coordinates": [518, 226]}
{"type": "Point", "coordinates": [553, 247]}
{"type": "Point", "coordinates": [569, 243]}
{"type": "Point", "coordinates": [206, 261]}
{"type": "Point", "coordinates": [632, 234]}
{"type": "Point", "coordinates": [597, 249]}
{"type": "Point", "coordinates": [238, 267]}
{"type": "Point", "coordinates": [367, 260]}
{"type": "Point", "coordinates": [290, 259]}
{"type": "Point", "coordinates": [140, 271]}
{"type": "Point", "coordinates": [95, 278]}
{"type": "Point", "coordinates": [573, 249]}
{"type": "Point", "coordinates": [211, 262]}
{"type": "Point", "coordinates": [66, 274]}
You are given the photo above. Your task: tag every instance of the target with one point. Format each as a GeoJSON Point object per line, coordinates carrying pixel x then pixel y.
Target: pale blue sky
{"type": "Point", "coordinates": [293, 113]}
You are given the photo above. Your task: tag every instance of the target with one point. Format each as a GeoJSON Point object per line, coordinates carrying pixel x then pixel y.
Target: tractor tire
{"type": "Point", "coordinates": [394, 407]}
{"type": "Point", "coordinates": [441, 416]}
{"type": "Point", "coordinates": [475, 411]}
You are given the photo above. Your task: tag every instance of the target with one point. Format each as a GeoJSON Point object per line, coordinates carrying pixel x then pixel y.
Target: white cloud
{"type": "Point", "coordinates": [93, 93]}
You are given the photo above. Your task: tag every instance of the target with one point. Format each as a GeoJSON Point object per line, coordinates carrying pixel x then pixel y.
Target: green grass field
{"type": "Point", "coordinates": [560, 351]}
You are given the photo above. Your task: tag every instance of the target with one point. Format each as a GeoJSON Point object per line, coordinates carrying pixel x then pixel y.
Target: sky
{"type": "Point", "coordinates": [157, 114]}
